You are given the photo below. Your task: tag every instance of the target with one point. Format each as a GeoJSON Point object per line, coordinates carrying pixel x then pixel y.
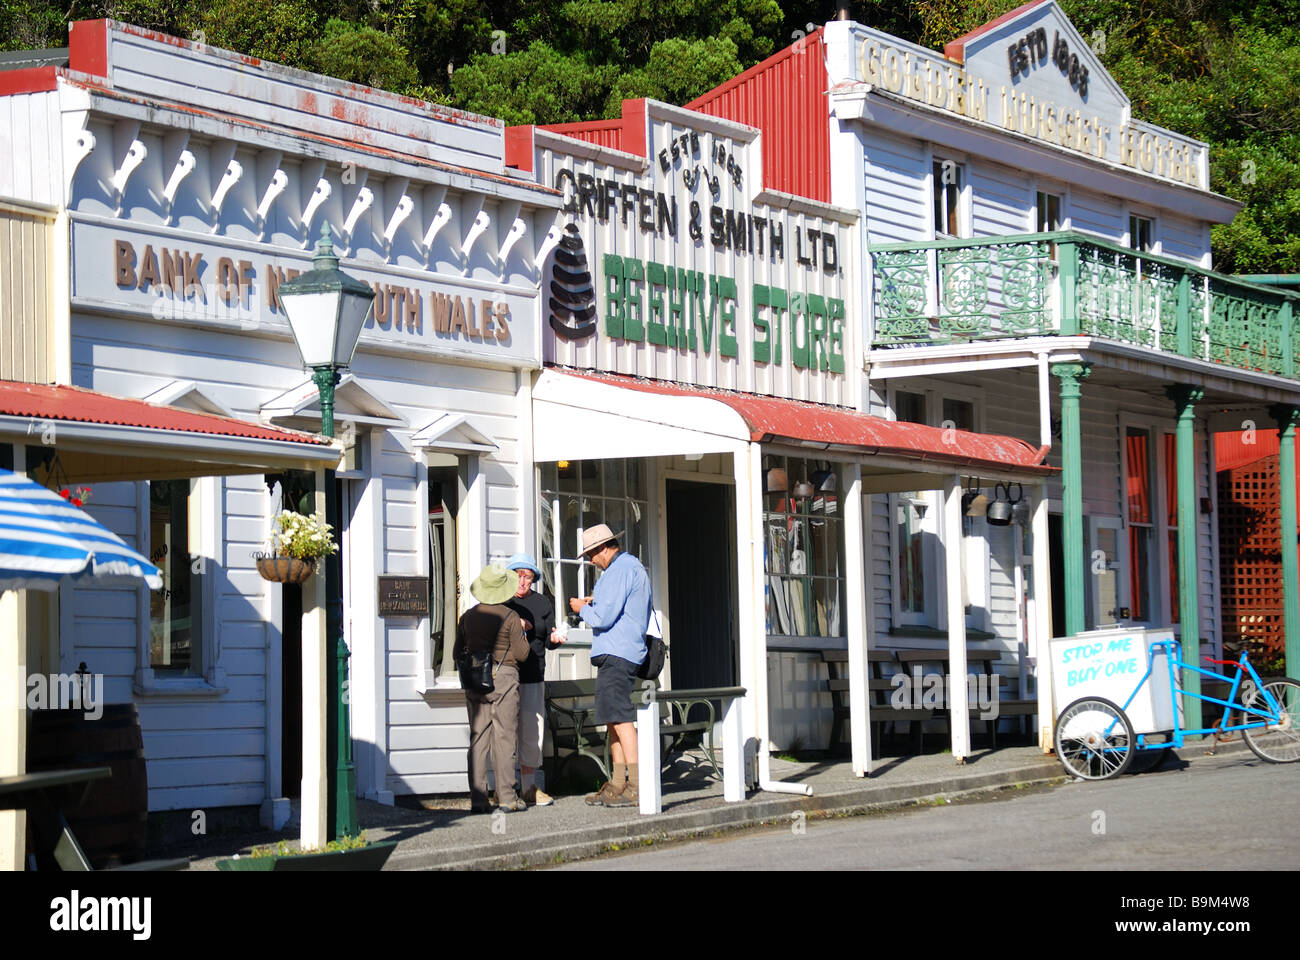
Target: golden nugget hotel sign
{"type": "Point", "coordinates": [1052, 107]}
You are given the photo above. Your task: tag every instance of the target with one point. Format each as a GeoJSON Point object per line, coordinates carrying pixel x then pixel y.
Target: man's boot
{"type": "Point", "coordinates": [610, 789]}
{"type": "Point", "coordinates": [629, 796]}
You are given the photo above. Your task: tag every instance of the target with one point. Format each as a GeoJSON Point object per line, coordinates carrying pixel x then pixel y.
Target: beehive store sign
{"type": "Point", "coordinates": [645, 301]}
{"type": "Point", "coordinates": [179, 278]}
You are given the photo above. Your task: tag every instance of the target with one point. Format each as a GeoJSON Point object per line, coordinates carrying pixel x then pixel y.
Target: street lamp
{"type": "Point", "coordinates": [326, 309]}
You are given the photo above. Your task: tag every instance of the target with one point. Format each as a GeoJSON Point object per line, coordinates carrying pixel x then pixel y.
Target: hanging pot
{"type": "Point", "coordinates": [973, 501]}
{"type": "Point", "coordinates": [280, 569]}
{"type": "Point", "coordinates": [999, 512]}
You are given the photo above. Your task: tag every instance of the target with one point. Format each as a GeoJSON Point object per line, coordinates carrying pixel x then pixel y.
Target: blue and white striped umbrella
{"type": "Point", "coordinates": [44, 538]}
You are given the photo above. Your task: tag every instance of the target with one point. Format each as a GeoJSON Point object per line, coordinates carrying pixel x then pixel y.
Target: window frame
{"type": "Point", "coordinates": [961, 209]}
{"type": "Point", "coordinates": [1160, 568]}
{"type": "Point", "coordinates": [978, 556]}
{"type": "Point", "coordinates": [209, 678]}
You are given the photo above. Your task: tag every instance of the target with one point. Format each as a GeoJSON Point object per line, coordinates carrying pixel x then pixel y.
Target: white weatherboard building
{"type": "Point", "coordinates": [186, 183]}
{"type": "Point", "coordinates": [703, 394]}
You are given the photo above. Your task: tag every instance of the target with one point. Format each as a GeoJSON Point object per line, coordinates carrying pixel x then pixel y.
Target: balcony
{"type": "Point", "coordinates": [1066, 283]}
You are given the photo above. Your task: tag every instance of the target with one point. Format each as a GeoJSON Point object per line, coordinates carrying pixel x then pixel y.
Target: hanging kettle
{"type": "Point", "coordinates": [1001, 509]}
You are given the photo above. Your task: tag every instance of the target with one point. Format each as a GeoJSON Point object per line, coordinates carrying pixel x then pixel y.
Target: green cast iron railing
{"type": "Point", "coordinates": [1066, 283]}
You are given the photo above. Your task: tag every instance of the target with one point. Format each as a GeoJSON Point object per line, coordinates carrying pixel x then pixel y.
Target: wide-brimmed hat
{"type": "Point", "coordinates": [523, 561]}
{"type": "Point", "coordinates": [593, 538]}
{"type": "Point", "coordinates": [495, 584]}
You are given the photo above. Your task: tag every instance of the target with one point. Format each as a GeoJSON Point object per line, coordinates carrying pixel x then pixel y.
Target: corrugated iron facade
{"type": "Point", "coordinates": [785, 97]}
{"type": "Point", "coordinates": [26, 293]}
{"type": "Point", "coordinates": [1236, 448]}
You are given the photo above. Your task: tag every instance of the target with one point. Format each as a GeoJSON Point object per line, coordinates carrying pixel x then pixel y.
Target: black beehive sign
{"type": "Point", "coordinates": [573, 301]}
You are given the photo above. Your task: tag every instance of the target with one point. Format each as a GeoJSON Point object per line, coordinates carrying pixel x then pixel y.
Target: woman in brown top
{"type": "Point", "coordinates": [493, 717]}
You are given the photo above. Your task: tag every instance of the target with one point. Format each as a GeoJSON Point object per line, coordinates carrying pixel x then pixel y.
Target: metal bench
{"type": "Point", "coordinates": [573, 725]}
{"type": "Point", "coordinates": [984, 659]}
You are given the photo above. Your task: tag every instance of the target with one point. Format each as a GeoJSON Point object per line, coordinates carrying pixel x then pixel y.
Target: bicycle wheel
{"type": "Point", "coordinates": [1277, 742]}
{"type": "Point", "coordinates": [1094, 740]}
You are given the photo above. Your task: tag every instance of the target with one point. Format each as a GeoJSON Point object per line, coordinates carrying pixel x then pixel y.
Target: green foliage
{"type": "Point", "coordinates": [362, 54]}
{"type": "Point", "coordinates": [535, 85]}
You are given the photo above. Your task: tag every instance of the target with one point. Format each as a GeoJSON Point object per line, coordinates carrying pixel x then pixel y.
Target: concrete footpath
{"type": "Point", "coordinates": [442, 834]}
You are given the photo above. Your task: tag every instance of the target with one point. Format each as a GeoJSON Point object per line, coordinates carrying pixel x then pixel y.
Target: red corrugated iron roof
{"type": "Point", "coordinates": [74, 404]}
{"type": "Point", "coordinates": [776, 419]}
{"type": "Point", "coordinates": [785, 97]}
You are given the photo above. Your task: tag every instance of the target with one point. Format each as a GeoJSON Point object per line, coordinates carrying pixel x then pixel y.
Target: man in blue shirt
{"type": "Point", "coordinates": [618, 611]}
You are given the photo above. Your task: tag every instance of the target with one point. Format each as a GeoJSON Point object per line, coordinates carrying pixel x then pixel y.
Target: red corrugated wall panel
{"type": "Point", "coordinates": [785, 97]}
{"type": "Point", "coordinates": [1236, 448]}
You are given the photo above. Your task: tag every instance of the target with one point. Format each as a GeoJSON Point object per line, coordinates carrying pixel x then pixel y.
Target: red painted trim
{"type": "Point", "coordinates": [635, 128]}
{"type": "Point", "coordinates": [88, 47]}
{"type": "Point", "coordinates": [955, 50]}
{"type": "Point", "coordinates": [519, 148]}
{"type": "Point", "coordinates": [31, 80]}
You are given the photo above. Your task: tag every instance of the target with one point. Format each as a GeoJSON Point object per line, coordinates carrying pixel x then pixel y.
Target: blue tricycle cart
{"type": "Point", "coordinates": [1096, 739]}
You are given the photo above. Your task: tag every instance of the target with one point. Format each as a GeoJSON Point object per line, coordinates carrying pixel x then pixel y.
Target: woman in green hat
{"type": "Point", "coordinates": [492, 627]}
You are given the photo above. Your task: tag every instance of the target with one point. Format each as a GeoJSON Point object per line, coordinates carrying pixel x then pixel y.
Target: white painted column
{"type": "Point", "coordinates": [13, 721]}
{"type": "Point", "coordinates": [747, 463]}
{"type": "Point", "coordinates": [856, 587]}
{"type": "Point", "coordinates": [733, 752]}
{"type": "Point", "coordinates": [958, 712]}
{"type": "Point", "coordinates": [1042, 619]}
{"type": "Point", "coordinates": [314, 698]}
{"type": "Point", "coordinates": [647, 751]}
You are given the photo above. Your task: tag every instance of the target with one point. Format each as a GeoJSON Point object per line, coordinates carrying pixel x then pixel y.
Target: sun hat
{"type": "Point", "coordinates": [494, 584]}
{"type": "Point", "coordinates": [523, 561]}
{"type": "Point", "coordinates": [593, 538]}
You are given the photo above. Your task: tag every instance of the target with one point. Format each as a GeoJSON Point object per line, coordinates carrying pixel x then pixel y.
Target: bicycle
{"type": "Point", "coordinates": [1095, 739]}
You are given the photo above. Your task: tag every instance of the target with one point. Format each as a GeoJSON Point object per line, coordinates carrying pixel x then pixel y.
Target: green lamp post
{"type": "Point", "coordinates": [326, 310]}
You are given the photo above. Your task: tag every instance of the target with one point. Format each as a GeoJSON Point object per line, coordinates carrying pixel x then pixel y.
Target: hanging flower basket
{"type": "Point", "coordinates": [279, 569]}
{"type": "Point", "coordinates": [298, 541]}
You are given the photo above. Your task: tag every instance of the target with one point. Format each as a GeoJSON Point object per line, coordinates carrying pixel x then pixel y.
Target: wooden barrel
{"type": "Point", "coordinates": [112, 825]}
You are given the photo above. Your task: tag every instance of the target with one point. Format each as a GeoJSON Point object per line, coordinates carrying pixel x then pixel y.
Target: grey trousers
{"type": "Point", "coordinates": [493, 727]}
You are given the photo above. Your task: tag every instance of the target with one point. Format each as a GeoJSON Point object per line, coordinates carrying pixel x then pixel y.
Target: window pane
{"type": "Point", "coordinates": [1173, 576]}
{"type": "Point", "coordinates": [1171, 479]}
{"type": "Point", "coordinates": [1139, 556]}
{"type": "Point", "coordinates": [909, 407]}
{"type": "Point", "coordinates": [611, 472]}
{"type": "Point", "coordinates": [911, 569]}
{"type": "Point", "coordinates": [960, 412]}
{"type": "Point", "coordinates": [173, 609]}
{"type": "Point", "coordinates": [1139, 476]}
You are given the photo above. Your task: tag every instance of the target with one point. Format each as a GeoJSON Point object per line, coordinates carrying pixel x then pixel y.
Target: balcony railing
{"type": "Point", "coordinates": [1065, 283]}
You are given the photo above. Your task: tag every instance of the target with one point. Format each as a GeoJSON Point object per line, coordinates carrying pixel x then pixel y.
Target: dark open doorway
{"type": "Point", "coordinates": [702, 584]}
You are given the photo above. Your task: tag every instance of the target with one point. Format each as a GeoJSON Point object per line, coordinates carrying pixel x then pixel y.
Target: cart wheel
{"type": "Point", "coordinates": [1094, 739]}
{"type": "Point", "coordinates": [1278, 742]}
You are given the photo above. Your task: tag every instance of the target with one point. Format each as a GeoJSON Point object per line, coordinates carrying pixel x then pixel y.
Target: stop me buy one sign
{"type": "Point", "coordinates": [1109, 664]}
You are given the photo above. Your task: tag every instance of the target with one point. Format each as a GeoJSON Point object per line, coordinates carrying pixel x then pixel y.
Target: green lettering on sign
{"type": "Point", "coordinates": [634, 324]}
{"type": "Point", "coordinates": [836, 320]}
{"type": "Point", "coordinates": [800, 348]}
{"type": "Point", "coordinates": [655, 282]}
{"type": "Point", "coordinates": [722, 291]}
{"type": "Point", "coordinates": [615, 295]}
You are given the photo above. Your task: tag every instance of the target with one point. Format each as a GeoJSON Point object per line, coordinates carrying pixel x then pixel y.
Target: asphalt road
{"type": "Point", "coordinates": [1220, 813]}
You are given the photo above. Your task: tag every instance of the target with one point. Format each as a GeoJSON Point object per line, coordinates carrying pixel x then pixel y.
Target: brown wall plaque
{"type": "Point", "coordinates": [403, 596]}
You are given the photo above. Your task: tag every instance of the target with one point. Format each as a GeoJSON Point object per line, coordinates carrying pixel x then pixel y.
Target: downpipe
{"type": "Point", "coordinates": [765, 781]}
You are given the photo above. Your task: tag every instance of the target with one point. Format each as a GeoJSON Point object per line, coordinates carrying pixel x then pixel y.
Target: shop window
{"type": "Point", "coordinates": [576, 494]}
{"type": "Point", "coordinates": [175, 611]}
{"type": "Point", "coordinates": [1142, 557]}
{"type": "Point", "coordinates": [804, 548]}
{"type": "Point", "coordinates": [1171, 513]}
{"type": "Point", "coordinates": [947, 197]}
{"type": "Point", "coordinates": [448, 484]}
{"type": "Point", "coordinates": [917, 528]}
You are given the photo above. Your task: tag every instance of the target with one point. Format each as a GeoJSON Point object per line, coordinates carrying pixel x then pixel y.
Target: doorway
{"type": "Point", "coordinates": [1056, 558]}
{"type": "Point", "coordinates": [702, 584]}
